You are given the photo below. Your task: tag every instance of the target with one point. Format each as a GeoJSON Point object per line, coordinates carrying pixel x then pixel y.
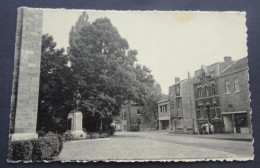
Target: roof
{"type": "Point", "coordinates": [236, 66]}
{"type": "Point", "coordinates": [164, 99]}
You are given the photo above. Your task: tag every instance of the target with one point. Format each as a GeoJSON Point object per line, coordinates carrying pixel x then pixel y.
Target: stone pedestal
{"type": "Point", "coordinates": [24, 136]}
{"type": "Point", "coordinates": [76, 131]}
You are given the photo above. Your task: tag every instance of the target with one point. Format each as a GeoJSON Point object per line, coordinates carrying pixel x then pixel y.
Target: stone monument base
{"type": "Point", "coordinates": [23, 136]}
{"type": "Point", "coordinates": [78, 134]}
{"type": "Point", "coordinates": [75, 131]}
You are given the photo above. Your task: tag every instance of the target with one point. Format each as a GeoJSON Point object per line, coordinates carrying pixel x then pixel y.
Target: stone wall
{"type": "Point", "coordinates": [26, 73]}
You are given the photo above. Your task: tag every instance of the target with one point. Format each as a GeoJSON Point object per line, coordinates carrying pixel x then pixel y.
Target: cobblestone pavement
{"type": "Point", "coordinates": [154, 146]}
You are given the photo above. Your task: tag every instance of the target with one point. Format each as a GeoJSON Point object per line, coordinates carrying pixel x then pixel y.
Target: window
{"type": "Point", "coordinates": [212, 74]}
{"type": "Point", "coordinates": [227, 87]}
{"type": "Point", "coordinates": [165, 108]}
{"type": "Point", "coordinates": [139, 121]}
{"type": "Point", "coordinates": [178, 104]}
{"type": "Point", "coordinates": [214, 113]}
{"type": "Point", "coordinates": [198, 93]}
{"type": "Point", "coordinates": [161, 108]}
{"type": "Point", "coordinates": [199, 90]}
{"type": "Point", "coordinates": [203, 75]}
{"type": "Point", "coordinates": [213, 91]}
{"type": "Point", "coordinates": [177, 90]}
{"type": "Point", "coordinates": [172, 105]}
{"type": "Point", "coordinates": [198, 114]}
{"type": "Point", "coordinates": [138, 112]}
{"type": "Point", "coordinates": [201, 112]}
{"type": "Point", "coordinates": [206, 91]}
{"type": "Point", "coordinates": [236, 85]}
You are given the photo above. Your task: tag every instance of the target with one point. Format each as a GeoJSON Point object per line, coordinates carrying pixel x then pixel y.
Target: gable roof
{"type": "Point", "coordinates": [236, 66]}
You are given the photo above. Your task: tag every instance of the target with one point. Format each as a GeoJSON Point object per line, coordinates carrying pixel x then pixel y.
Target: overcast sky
{"type": "Point", "coordinates": [169, 43]}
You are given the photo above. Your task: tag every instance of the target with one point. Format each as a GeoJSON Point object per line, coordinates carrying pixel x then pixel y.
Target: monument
{"type": "Point", "coordinates": [74, 121]}
{"type": "Point", "coordinates": [27, 63]}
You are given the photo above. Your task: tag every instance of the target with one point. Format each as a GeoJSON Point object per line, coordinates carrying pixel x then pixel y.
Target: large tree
{"type": "Point", "coordinates": [105, 69]}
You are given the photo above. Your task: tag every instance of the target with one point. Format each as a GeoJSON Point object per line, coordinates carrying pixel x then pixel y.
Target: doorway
{"type": "Point", "coordinates": [228, 128]}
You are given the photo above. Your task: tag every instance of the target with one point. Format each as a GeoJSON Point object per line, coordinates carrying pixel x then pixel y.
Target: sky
{"type": "Point", "coordinates": [169, 43]}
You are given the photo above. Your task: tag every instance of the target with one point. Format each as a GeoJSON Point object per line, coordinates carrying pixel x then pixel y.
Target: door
{"type": "Point", "coordinates": [228, 123]}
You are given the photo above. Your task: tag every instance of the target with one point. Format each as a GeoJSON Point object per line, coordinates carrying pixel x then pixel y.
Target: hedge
{"type": "Point", "coordinates": [20, 150]}
{"type": "Point", "coordinates": [43, 148]}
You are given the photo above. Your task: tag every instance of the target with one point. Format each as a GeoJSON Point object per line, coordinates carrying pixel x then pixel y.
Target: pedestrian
{"type": "Point", "coordinates": [207, 128]}
{"type": "Point", "coordinates": [212, 128]}
{"type": "Point", "coordinates": [203, 129]}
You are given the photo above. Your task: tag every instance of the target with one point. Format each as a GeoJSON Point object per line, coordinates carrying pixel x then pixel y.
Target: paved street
{"type": "Point", "coordinates": [154, 146]}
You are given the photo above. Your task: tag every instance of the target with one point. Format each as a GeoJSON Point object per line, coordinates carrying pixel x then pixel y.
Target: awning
{"type": "Point", "coordinates": [233, 112]}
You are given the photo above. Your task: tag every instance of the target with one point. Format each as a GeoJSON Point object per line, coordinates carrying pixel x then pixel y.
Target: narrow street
{"type": "Point", "coordinates": [154, 146]}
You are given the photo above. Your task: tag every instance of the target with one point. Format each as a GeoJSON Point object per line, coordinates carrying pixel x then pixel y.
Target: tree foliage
{"type": "Point", "coordinates": [102, 68]}
{"type": "Point", "coordinates": [54, 94]}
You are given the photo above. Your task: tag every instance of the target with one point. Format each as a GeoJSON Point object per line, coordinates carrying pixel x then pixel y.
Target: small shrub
{"type": "Point", "coordinates": [94, 135]}
{"type": "Point", "coordinates": [41, 149]}
{"type": "Point", "coordinates": [135, 127]}
{"type": "Point", "coordinates": [104, 135]}
{"type": "Point", "coordinates": [88, 136]}
{"type": "Point", "coordinates": [112, 130]}
{"type": "Point", "coordinates": [41, 133]}
{"type": "Point", "coordinates": [20, 150]}
{"type": "Point", "coordinates": [54, 142]}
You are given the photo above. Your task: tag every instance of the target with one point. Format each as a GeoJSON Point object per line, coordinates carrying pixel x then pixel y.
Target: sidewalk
{"type": "Point", "coordinates": [224, 136]}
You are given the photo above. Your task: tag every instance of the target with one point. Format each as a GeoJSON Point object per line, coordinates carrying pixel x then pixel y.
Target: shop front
{"type": "Point", "coordinates": [235, 122]}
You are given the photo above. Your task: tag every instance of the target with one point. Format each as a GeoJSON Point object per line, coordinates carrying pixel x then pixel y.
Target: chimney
{"type": "Point", "coordinates": [177, 79]}
{"type": "Point", "coordinates": [227, 59]}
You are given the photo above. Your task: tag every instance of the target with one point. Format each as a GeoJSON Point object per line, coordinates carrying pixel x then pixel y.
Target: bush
{"type": "Point", "coordinates": [88, 136]}
{"type": "Point", "coordinates": [104, 135]}
{"type": "Point", "coordinates": [94, 135]}
{"type": "Point", "coordinates": [43, 148]}
{"type": "Point", "coordinates": [54, 142]}
{"type": "Point", "coordinates": [20, 150]}
{"type": "Point", "coordinates": [112, 130]}
{"type": "Point", "coordinates": [135, 127]}
{"type": "Point", "coordinates": [41, 133]}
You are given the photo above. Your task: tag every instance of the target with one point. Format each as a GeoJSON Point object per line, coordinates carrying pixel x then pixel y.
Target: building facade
{"type": "Point", "coordinates": [164, 114]}
{"type": "Point", "coordinates": [234, 97]}
{"type": "Point", "coordinates": [206, 93]}
{"type": "Point", "coordinates": [182, 106]}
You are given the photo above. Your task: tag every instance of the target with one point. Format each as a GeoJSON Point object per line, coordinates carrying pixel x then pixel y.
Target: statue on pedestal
{"type": "Point", "coordinates": [74, 120]}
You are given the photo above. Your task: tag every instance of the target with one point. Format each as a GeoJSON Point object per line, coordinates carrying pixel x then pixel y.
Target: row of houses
{"type": "Point", "coordinates": [217, 94]}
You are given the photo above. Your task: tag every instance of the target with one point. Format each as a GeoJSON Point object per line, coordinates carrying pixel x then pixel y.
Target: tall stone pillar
{"type": "Point", "coordinates": [26, 74]}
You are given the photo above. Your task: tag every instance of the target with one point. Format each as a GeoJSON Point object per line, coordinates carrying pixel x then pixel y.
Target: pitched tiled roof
{"type": "Point", "coordinates": [164, 98]}
{"type": "Point", "coordinates": [236, 66]}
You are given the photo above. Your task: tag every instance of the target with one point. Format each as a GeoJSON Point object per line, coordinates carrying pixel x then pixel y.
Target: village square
{"type": "Point", "coordinates": [95, 96]}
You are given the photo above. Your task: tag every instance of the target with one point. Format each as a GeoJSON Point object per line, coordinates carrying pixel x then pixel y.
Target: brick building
{"type": "Point", "coordinates": [164, 113]}
{"type": "Point", "coordinates": [182, 107]}
{"type": "Point", "coordinates": [207, 98]}
{"type": "Point", "coordinates": [234, 97]}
